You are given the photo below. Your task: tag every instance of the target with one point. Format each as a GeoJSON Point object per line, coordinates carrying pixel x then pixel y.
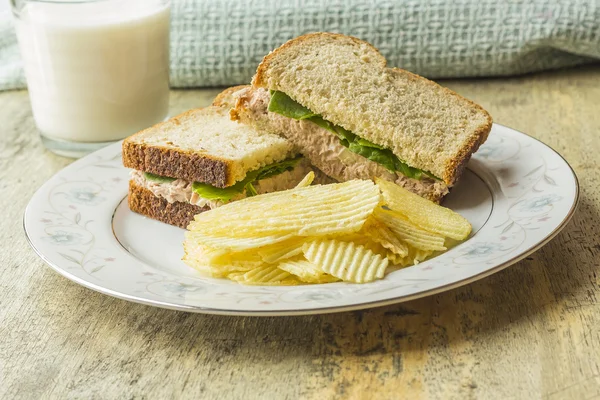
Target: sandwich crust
{"type": "Point", "coordinates": [428, 126]}
{"type": "Point", "coordinates": [226, 97]}
{"type": "Point", "coordinates": [176, 163]}
{"type": "Point", "coordinates": [143, 201]}
{"type": "Point", "coordinates": [260, 78]}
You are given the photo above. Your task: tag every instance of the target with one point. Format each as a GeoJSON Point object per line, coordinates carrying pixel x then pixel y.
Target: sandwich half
{"type": "Point", "coordinates": [354, 118]}
{"type": "Point", "coordinates": [200, 160]}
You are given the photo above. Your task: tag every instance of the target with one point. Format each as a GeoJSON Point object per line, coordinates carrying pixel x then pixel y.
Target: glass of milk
{"type": "Point", "coordinates": [97, 70]}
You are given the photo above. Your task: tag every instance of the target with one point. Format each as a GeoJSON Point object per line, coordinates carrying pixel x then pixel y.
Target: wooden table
{"type": "Point", "coordinates": [530, 331]}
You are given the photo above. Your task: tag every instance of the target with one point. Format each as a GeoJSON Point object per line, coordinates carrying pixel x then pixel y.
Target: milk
{"type": "Point", "coordinates": [96, 71]}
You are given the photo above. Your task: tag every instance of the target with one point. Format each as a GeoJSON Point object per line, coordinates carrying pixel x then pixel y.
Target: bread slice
{"type": "Point", "coordinates": [204, 145]}
{"type": "Point", "coordinates": [143, 201]}
{"type": "Point", "coordinates": [346, 80]}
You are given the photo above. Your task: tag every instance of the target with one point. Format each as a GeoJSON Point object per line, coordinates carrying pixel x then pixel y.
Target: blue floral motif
{"type": "Point", "coordinates": [180, 289]}
{"type": "Point", "coordinates": [490, 152]}
{"type": "Point", "coordinates": [85, 195]}
{"type": "Point", "coordinates": [483, 249]}
{"type": "Point", "coordinates": [63, 238]}
{"type": "Point", "coordinates": [318, 295]}
{"type": "Point", "coordinates": [538, 203]}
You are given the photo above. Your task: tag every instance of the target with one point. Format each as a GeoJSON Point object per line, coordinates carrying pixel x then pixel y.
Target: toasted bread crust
{"type": "Point", "coordinates": [176, 163]}
{"type": "Point", "coordinates": [259, 78]}
{"type": "Point", "coordinates": [453, 167]}
{"type": "Point", "coordinates": [456, 166]}
{"type": "Point", "coordinates": [225, 99]}
{"type": "Point", "coordinates": [143, 201]}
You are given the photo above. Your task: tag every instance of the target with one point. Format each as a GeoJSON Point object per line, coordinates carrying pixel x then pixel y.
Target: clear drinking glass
{"type": "Point", "coordinates": [97, 70]}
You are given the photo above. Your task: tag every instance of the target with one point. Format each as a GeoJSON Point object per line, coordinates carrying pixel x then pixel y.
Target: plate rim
{"type": "Point", "coordinates": [317, 309]}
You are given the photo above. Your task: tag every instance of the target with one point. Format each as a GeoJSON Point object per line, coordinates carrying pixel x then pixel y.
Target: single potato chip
{"type": "Point", "coordinates": [218, 262]}
{"type": "Point", "coordinates": [196, 251]}
{"type": "Point", "coordinates": [420, 255]}
{"type": "Point", "coordinates": [346, 260]}
{"type": "Point", "coordinates": [380, 233]}
{"type": "Point", "coordinates": [396, 260]}
{"type": "Point", "coordinates": [307, 180]}
{"type": "Point", "coordinates": [377, 248]}
{"type": "Point", "coordinates": [409, 233]}
{"type": "Point", "coordinates": [229, 242]}
{"type": "Point", "coordinates": [306, 271]}
{"type": "Point", "coordinates": [316, 210]}
{"type": "Point", "coordinates": [217, 271]}
{"type": "Point", "coordinates": [424, 213]}
{"type": "Point", "coordinates": [414, 257]}
{"type": "Point", "coordinates": [268, 275]}
{"type": "Point", "coordinates": [211, 256]}
{"type": "Point", "coordinates": [281, 251]}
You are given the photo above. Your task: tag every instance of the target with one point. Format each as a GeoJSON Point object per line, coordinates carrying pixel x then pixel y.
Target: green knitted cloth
{"type": "Point", "coordinates": [220, 42]}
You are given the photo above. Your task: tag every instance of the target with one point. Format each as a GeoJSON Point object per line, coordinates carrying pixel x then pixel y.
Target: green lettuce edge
{"type": "Point", "coordinates": [157, 178]}
{"type": "Point", "coordinates": [225, 195]}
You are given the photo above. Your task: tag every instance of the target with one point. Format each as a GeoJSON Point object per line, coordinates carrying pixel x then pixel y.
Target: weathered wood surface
{"type": "Point", "coordinates": [530, 331]}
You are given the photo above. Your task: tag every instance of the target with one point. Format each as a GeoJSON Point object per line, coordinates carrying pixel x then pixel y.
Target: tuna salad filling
{"type": "Point", "coordinates": [324, 149]}
{"type": "Point", "coordinates": [275, 177]}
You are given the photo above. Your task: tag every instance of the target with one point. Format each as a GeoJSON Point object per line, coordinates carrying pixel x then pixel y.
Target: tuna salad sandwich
{"type": "Point", "coordinates": [200, 160]}
{"type": "Point", "coordinates": [354, 118]}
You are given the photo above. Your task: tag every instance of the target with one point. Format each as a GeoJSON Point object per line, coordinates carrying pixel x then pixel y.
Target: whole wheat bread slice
{"type": "Point", "coordinates": [346, 80]}
{"type": "Point", "coordinates": [143, 201]}
{"type": "Point", "coordinates": [204, 145]}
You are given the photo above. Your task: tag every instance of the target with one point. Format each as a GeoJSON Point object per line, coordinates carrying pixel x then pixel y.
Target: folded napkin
{"type": "Point", "coordinates": [218, 43]}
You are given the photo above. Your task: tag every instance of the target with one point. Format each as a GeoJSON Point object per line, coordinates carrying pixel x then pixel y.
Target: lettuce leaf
{"type": "Point", "coordinates": [284, 105]}
{"type": "Point", "coordinates": [281, 103]}
{"type": "Point", "coordinates": [276, 168]}
{"type": "Point", "coordinates": [226, 194]}
{"type": "Point", "coordinates": [250, 190]}
{"type": "Point", "coordinates": [211, 192]}
{"type": "Point", "coordinates": [157, 178]}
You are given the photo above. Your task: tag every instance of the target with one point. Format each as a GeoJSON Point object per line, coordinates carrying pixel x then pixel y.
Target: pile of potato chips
{"type": "Point", "coordinates": [353, 231]}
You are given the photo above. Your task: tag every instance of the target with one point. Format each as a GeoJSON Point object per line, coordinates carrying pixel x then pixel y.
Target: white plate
{"type": "Point", "coordinates": [517, 193]}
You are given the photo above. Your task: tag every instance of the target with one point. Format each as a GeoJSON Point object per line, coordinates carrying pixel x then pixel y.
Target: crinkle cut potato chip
{"type": "Point", "coordinates": [281, 251]}
{"type": "Point", "coordinates": [218, 264]}
{"type": "Point", "coordinates": [424, 213]}
{"type": "Point", "coordinates": [266, 275]}
{"type": "Point", "coordinates": [380, 233]}
{"type": "Point", "coordinates": [306, 271]}
{"type": "Point", "coordinates": [377, 248]}
{"type": "Point", "coordinates": [346, 260]}
{"type": "Point", "coordinates": [309, 211]}
{"type": "Point", "coordinates": [196, 234]}
{"type": "Point", "coordinates": [411, 234]}
{"type": "Point", "coordinates": [307, 180]}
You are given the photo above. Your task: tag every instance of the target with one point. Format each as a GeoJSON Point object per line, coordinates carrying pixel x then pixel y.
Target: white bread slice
{"type": "Point", "coordinates": [346, 80]}
{"type": "Point", "coordinates": [204, 145]}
